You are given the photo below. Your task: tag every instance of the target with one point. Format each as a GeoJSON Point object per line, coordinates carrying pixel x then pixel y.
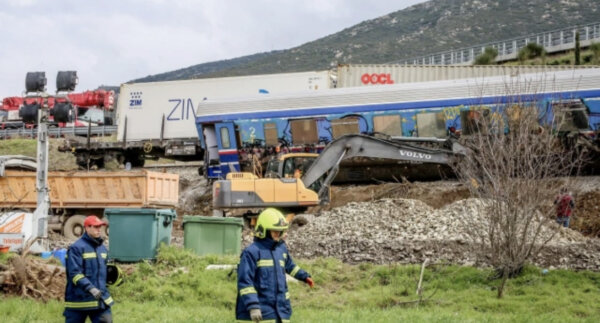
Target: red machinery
{"type": "Point", "coordinates": [98, 98]}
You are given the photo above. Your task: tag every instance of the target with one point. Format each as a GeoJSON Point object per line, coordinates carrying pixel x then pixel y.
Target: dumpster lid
{"type": "Point", "coordinates": [212, 219]}
{"type": "Point", "coordinates": [134, 211]}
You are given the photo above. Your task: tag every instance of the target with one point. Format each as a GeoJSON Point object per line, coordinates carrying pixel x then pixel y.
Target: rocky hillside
{"type": "Point", "coordinates": [429, 27]}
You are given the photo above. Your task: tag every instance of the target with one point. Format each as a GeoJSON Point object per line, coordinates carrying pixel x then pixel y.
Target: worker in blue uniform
{"type": "Point", "coordinates": [86, 293]}
{"type": "Point", "coordinates": [262, 289]}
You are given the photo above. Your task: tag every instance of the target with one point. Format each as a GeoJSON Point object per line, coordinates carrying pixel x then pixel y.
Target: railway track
{"type": "Point", "coordinates": [58, 132]}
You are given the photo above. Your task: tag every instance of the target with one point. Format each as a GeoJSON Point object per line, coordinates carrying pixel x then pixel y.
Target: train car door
{"type": "Point", "coordinates": [212, 163]}
{"type": "Point", "coordinates": [228, 148]}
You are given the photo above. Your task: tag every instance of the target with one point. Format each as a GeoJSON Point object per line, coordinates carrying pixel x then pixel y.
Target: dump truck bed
{"type": "Point", "coordinates": [94, 190]}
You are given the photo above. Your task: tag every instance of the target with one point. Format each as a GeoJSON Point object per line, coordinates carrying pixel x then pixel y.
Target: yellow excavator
{"type": "Point", "coordinates": [249, 194]}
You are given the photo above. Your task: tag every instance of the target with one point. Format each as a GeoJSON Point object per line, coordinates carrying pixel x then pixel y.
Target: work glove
{"type": "Point", "coordinates": [310, 282]}
{"type": "Point", "coordinates": [255, 315]}
{"type": "Point", "coordinates": [95, 292]}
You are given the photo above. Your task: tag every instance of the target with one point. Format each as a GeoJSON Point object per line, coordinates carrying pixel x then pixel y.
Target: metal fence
{"type": "Point", "coordinates": [58, 132]}
{"type": "Point", "coordinates": [553, 41]}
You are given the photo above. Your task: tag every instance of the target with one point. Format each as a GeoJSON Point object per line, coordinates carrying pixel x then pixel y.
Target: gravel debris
{"type": "Point", "coordinates": [408, 231]}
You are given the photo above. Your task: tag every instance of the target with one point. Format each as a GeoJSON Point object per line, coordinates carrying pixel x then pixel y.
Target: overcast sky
{"type": "Point", "coordinates": [113, 41]}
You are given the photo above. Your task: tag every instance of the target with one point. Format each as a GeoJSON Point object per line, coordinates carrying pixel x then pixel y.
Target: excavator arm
{"type": "Point", "coordinates": [351, 146]}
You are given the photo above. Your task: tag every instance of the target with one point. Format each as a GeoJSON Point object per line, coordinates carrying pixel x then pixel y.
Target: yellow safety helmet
{"type": "Point", "coordinates": [269, 219]}
{"type": "Point", "coordinates": [114, 275]}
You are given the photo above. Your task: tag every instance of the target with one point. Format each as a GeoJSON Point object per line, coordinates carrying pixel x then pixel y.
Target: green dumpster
{"type": "Point", "coordinates": [136, 234]}
{"type": "Point", "coordinates": [212, 235]}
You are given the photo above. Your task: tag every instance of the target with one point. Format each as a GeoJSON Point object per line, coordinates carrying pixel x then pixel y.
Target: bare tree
{"type": "Point", "coordinates": [514, 157]}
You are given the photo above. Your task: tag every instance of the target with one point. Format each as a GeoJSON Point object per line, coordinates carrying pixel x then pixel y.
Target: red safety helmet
{"type": "Point", "coordinates": [92, 220]}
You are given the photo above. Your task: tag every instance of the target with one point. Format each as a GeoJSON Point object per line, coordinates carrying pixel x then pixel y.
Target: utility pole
{"type": "Point", "coordinates": [40, 214]}
{"type": "Point", "coordinates": [35, 109]}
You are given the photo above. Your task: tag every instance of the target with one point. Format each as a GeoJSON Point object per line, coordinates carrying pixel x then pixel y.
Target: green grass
{"type": "Point", "coordinates": [177, 288]}
{"type": "Point", "coordinates": [25, 147]}
{"type": "Point", "coordinates": [28, 147]}
{"type": "Point", "coordinates": [4, 257]}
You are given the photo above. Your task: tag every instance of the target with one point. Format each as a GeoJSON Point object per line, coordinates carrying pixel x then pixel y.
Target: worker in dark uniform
{"type": "Point", "coordinates": [86, 293]}
{"type": "Point", "coordinates": [262, 289]}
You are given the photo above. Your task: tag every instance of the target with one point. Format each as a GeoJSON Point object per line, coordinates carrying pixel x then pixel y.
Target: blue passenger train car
{"type": "Point", "coordinates": [242, 134]}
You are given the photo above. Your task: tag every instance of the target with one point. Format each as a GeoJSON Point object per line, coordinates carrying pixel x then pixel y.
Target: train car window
{"type": "Point", "coordinates": [225, 138]}
{"type": "Point", "coordinates": [344, 126]}
{"type": "Point", "coordinates": [271, 134]}
{"type": "Point", "coordinates": [431, 124]}
{"type": "Point", "coordinates": [473, 120]}
{"type": "Point", "coordinates": [570, 115]}
{"type": "Point", "coordinates": [304, 131]}
{"type": "Point", "coordinates": [390, 125]}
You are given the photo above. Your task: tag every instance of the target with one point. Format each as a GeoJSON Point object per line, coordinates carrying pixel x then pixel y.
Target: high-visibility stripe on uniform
{"type": "Point", "coordinates": [247, 290]}
{"type": "Point", "coordinates": [281, 263]}
{"type": "Point", "coordinates": [103, 255]}
{"type": "Point", "coordinates": [287, 295]}
{"type": "Point", "coordinates": [77, 277]}
{"type": "Point", "coordinates": [285, 321]}
{"type": "Point", "coordinates": [284, 255]}
{"type": "Point", "coordinates": [108, 300]}
{"type": "Point", "coordinates": [263, 321]}
{"type": "Point", "coordinates": [265, 263]}
{"type": "Point", "coordinates": [295, 271]}
{"type": "Point", "coordinates": [89, 255]}
{"type": "Point", "coordinates": [81, 304]}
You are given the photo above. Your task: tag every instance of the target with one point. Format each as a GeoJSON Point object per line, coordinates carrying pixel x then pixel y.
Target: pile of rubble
{"type": "Point", "coordinates": [32, 277]}
{"type": "Point", "coordinates": [409, 231]}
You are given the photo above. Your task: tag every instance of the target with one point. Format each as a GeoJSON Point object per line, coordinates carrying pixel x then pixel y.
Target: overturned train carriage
{"type": "Point", "coordinates": [243, 134]}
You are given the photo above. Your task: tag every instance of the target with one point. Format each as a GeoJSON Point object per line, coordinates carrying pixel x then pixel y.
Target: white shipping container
{"type": "Point", "coordinates": [354, 75]}
{"type": "Point", "coordinates": [142, 106]}
{"type": "Point", "coordinates": [314, 103]}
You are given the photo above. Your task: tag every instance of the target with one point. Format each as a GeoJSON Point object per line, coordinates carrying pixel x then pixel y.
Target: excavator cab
{"type": "Point", "coordinates": [292, 165]}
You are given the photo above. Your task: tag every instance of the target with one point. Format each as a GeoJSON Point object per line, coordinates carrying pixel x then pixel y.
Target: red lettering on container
{"type": "Point", "coordinates": [375, 78]}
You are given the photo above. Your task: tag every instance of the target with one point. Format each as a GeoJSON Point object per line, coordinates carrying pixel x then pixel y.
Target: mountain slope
{"type": "Point", "coordinates": [426, 28]}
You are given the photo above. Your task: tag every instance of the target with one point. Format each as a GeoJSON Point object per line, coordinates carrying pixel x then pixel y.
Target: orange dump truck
{"type": "Point", "coordinates": [74, 195]}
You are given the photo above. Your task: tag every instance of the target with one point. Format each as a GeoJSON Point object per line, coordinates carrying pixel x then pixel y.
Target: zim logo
{"type": "Point", "coordinates": [135, 99]}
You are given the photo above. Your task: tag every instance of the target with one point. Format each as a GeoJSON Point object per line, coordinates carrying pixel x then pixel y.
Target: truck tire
{"type": "Point", "coordinates": [73, 227]}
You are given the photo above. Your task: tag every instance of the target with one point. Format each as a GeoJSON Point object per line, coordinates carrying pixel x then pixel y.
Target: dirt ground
{"type": "Point", "coordinates": [435, 194]}
{"type": "Point", "coordinates": [586, 217]}
{"type": "Point", "coordinates": [436, 202]}
{"type": "Point", "coordinates": [196, 197]}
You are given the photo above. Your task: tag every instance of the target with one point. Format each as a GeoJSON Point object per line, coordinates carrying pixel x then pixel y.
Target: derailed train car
{"type": "Point", "coordinates": [241, 134]}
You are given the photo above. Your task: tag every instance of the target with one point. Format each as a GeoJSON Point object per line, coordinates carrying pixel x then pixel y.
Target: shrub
{"type": "Point", "coordinates": [488, 56]}
{"type": "Point", "coordinates": [532, 50]}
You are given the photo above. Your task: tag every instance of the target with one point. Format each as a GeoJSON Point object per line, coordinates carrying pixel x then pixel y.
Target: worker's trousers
{"type": "Point", "coordinates": [97, 316]}
{"type": "Point", "coordinates": [563, 221]}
